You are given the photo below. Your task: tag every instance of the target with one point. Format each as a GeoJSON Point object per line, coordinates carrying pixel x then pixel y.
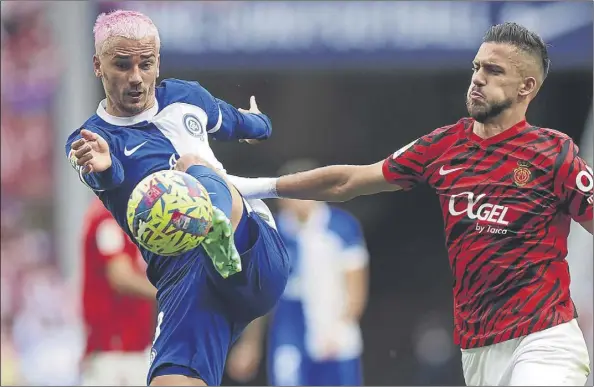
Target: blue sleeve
{"type": "Point", "coordinates": [97, 181]}
{"type": "Point", "coordinates": [354, 251]}
{"type": "Point", "coordinates": [235, 125]}
{"type": "Point", "coordinates": [226, 123]}
{"type": "Point", "coordinates": [347, 227]}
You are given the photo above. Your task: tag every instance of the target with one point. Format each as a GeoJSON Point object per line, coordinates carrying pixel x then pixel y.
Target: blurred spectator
{"type": "Point", "coordinates": [38, 320]}
{"type": "Point", "coordinates": [40, 342]}
{"type": "Point", "coordinates": [9, 367]}
{"type": "Point", "coordinates": [46, 331]}
{"type": "Point", "coordinates": [29, 71]}
{"type": "Point", "coordinates": [118, 304]}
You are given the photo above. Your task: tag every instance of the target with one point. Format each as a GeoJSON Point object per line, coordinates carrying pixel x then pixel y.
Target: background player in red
{"type": "Point", "coordinates": [508, 191]}
{"type": "Point", "coordinates": [118, 304]}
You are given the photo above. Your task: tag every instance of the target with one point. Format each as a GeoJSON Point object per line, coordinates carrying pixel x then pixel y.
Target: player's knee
{"type": "Point", "coordinates": [215, 185]}
{"type": "Point", "coordinates": [186, 161]}
{"type": "Point", "coordinates": [222, 194]}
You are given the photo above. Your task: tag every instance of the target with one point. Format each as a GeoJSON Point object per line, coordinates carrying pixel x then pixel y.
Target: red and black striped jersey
{"type": "Point", "coordinates": [507, 203]}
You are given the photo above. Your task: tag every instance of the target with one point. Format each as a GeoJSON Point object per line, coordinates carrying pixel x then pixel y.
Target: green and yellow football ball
{"type": "Point", "coordinates": [169, 213]}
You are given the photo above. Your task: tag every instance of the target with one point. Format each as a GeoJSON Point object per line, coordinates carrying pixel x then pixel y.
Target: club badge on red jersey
{"type": "Point", "coordinates": [522, 174]}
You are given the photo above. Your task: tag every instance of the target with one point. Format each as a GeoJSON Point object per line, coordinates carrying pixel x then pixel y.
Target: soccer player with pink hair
{"type": "Point", "coordinates": [207, 296]}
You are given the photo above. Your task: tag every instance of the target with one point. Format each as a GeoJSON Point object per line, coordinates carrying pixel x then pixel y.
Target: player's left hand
{"type": "Point", "coordinates": [254, 110]}
{"type": "Point", "coordinates": [253, 107]}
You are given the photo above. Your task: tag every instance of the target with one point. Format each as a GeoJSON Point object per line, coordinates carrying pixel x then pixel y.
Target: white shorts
{"type": "Point", "coordinates": [553, 357]}
{"type": "Point", "coordinates": [116, 369]}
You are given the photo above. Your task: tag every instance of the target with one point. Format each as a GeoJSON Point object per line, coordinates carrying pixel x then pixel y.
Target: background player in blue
{"type": "Point", "coordinates": [141, 128]}
{"type": "Point", "coordinates": [314, 334]}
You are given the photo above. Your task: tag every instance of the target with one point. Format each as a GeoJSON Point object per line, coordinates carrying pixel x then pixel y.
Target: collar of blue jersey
{"type": "Point", "coordinates": [126, 121]}
{"type": "Point", "coordinates": [319, 218]}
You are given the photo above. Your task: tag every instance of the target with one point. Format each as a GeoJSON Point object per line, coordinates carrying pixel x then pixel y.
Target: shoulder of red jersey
{"type": "Point", "coordinates": [551, 140]}
{"type": "Point", "coordinates": [445, 136]}
{"type": "Point", "coordinates": [436, 136]}
{"type": "Point", "coordinates": [448, 130]}
{"type": "Point", "coordinates": [460, 126]}
{"type": "Point", "coordinates": [553, 135]}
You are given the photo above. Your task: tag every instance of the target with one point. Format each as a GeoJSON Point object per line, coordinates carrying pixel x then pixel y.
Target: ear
{"type": "Point", "coordinates": [528, 87]}
{"type": "Point", "coordinates": [97, 66]}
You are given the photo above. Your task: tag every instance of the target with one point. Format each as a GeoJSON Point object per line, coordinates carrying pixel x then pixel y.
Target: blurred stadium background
{"type": "Point", "coordinates": [344, 82]}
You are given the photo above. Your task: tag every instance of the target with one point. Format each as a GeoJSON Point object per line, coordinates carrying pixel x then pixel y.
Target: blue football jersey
{"type": "Point", "coordinates": [322, 249]}
{"type": "Point", "coordinates": [182, 121]}
{"type": "Point", "coordinates": [336, 229]}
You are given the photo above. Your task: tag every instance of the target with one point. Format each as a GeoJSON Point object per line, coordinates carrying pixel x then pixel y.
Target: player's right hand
{"type": "Point", "coordinates": [91, 152]}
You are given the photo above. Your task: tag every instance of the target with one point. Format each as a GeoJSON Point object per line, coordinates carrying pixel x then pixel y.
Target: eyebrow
{"type": "Point", "coordinates": [125, 57]}
{"type": "Point", "coordinates": [487, 64]}
{"type": "Point", "coordinates": [493, 66]}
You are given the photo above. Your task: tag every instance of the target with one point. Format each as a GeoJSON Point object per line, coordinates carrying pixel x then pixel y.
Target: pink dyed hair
{"type": "Point", "coordinates": [126, 24]}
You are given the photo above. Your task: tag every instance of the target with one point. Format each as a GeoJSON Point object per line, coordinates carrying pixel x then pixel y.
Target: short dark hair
{"type": "Point", "coordinates": [522, 38]}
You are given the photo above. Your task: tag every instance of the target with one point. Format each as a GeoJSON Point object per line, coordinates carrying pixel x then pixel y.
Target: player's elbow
{"type": "Point", "coordinates": [260, 129]}
{"type": "Point", "coordinates": [358, 180]}
{"type": "Point", "coordinates": [341, 186]}
{"type": "Point", "coordinates": [347, 184]}
{"type": "Point", "coordinates": [342, 193]}
{"type": "Point", "coordinates": [267, 129]}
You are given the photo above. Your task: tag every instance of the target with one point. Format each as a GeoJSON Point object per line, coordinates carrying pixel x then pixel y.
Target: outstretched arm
{"type": "Point", "coordinates": [403, 169]}
{"type": "Point", "coordinates": [335, 183]}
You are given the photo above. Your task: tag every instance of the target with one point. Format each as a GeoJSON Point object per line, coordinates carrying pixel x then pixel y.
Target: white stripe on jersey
{"type": "Point", "coordinates": [219, 123]}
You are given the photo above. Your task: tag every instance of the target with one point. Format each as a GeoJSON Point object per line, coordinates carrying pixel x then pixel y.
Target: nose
{"type": "Point", "coordinates": [478, 78]}
{"type": "Point", "coordinates": [135, 77]}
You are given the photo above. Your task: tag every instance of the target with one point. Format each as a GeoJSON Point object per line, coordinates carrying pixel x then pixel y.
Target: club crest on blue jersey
{"type": "Point", "coordinates": [193, 126]}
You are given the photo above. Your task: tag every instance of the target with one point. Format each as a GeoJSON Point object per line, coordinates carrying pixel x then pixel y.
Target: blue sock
{"type": "Point", "coordinates": [217, 189]}
{"type": "Point", "coordinates": [220, 196]}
